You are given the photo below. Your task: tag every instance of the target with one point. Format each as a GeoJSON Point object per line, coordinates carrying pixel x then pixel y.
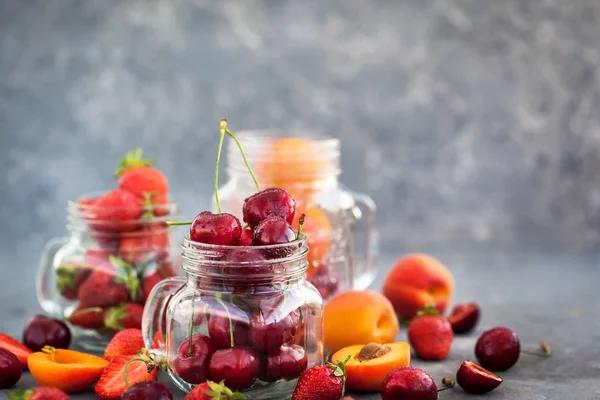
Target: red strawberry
{"type": "Point", "coordinates": [97, 259]}
{"type": "Point", "coordinates": [124, 316]}
{"type": "Point", "coordinates": [104, 289]}
{"type": "Point", "coordinates": [117, 210]}
{"type": "Point", "coordinates": [430, 334]}
{"type": "Point", "coordinates": [158, 341]}
{"type": "Point", "coordinates": [163, 271]}
{"type": "Point", "coordinates": [323, 382]}
{"type": "Point", "coordinates": [68, 280]}
{"type": "Point", "coordinates": [38, 393]}
{"type": "Point", "coordinates": [112, 385]}
{"type": "Point", "coordinates": [211, 390]}
{"type": "Point", "coordinates": [15, 347]}
{"type": "Point", "coordinates": [125, 343]}
{"type": "Point", "coordinates": [141, 246]}
{"type": "Point", "coordinates": [89, 318]}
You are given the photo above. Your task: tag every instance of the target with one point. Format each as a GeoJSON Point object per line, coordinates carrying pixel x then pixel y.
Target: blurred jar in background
{"type": "Point", "coordinates": [339, 223]}
{"type": "Point", "coordinates": [99, 277]}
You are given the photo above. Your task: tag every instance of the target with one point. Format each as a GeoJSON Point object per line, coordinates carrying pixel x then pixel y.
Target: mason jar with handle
{"type": "Point", "coordinates": [340, 223]}
{"type": "Point", "coordinates": [243, 315]}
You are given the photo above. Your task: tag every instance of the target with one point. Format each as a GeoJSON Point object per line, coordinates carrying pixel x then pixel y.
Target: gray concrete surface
{"type": "Point", "coordinates": [550, 296]}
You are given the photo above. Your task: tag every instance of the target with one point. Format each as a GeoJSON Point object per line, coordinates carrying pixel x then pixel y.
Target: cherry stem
{"type": "Point", "coordinates": [219, 148]}
{"type": "Point", "coordinates": [231, 339]}
{"type": "Point", "coordinates": [300, 225]}
{"type": "Point", "coordinates": [191, 324]}
{"type": "Point", "coordinates": [448, 384]}
{"type": "Point", "coordinates": [544, 346]}
{"type": "Point", "coordinates": [174, 223]}
{"type": "Point", "coordinates": [145, 361]}
{"type": "Point", "coordinates": [239, 145]}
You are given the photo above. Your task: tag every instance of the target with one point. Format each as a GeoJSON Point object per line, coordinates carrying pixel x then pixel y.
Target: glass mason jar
{"type": "Point", "coordinates": [245, 315]}
{"type": "Point", "coordinates": [99, 277]}
{"type": "Point", "coordinates": [339, 223]}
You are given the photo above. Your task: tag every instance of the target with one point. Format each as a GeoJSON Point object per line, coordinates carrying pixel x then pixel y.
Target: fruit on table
{"type": "Point", "coordinates": [430, 335]}
{"type": "Point", "coordinates": [228, 326]}
{"type": "Point", "coordinates": [125, 343]}
{"type": "Point", "coordinates": [323, 382]}
{"type": "Point", "coordinates": [193, 357]}
{"type": "Point", "coordinates": [148, 390]}
{"type": "Point", "coordinates": [15, 347]}
{"type": "Point", "coordinates": [475, 379]}
{"type": "Point", "coordinates": [211, 390]}
{"type": "Point", "coordinates": [369, 364]}
{"type": "Point", "coordinates": [10, 369]}
{"type": "Point", "coordinates": [237, 367]}
{"type": "Point", "coordinates": [67, 370]}
{"type": "Point", "coordinates": [464, 317]}
{"type": "Point", "coordinates": [288, 362]}
{"type": "Point", "coordinates": [273, 202]}
{"type": "Point", "coordinates": [43, 331]}
{"type": "Point", "coordinates": [124, 316]}
{"type": "Point", "coordinates": [418, 280]}
{"type": "Point", "coordinates": [220, 229]}
{"type": "Point", "coordinates": [38, 393]}
{"type": "Point", "coordinates": [498, 349]}
{"type": "Point", "coordinates": [408, 383]}
{"type": "Point", "coordinates": [122, 372]}
{"type": "Point", "coordinates": [358, 317]}
{"type": "Point", "coordinates": [273, 230]}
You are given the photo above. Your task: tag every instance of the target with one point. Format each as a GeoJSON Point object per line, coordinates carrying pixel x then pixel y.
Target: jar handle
{"type": "Point", "coordinates": [155, 312]}
{"type": "Point", "coordinates": [45, 275]}
{"type": "Point", "coordinates": [365, 240]}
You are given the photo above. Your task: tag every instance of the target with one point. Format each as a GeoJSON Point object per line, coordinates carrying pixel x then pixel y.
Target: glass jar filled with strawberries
{"type": "Point", "coordinates": [117, 250]}
{"type": "Point", "coordinates": [339, 223]}
{"type": "Point", "coordinates": [244, 314]}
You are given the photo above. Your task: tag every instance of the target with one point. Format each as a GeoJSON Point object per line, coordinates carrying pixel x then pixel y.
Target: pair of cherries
{"type": "Point", "coordinates": [267, 213]}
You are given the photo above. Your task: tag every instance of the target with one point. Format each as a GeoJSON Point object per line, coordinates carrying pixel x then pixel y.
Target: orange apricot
{"type": "Point", "coordinates": [369, 364]}
{"type": "Point", "coordinates": [416, 281]}
{"type": "Point", "coordinates": [358, 317]}
{"type": "Point", "coordinates": [317, 229]}
{"type": "Point", "coordinates": [68, 370]}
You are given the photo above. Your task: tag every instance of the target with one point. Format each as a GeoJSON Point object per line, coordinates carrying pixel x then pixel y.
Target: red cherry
{"type": "Point", "coordinates": [464, 317]}
{"type": "Point", "coordinates": [148, 390]}
{"type": "Point", "coordinates": [220, 229]}
{"type": "Point", "coordinates": [289, 362]}
{"type": "Point", "coordinates": [246, 237]}
{"type": "Point", "coordinates": [273, 230]}
{"type": "Point", "coordinates": [10, 369]}
{"type": "Point", "coordinates": [327, 284]}
{"type": "Point", "coordinates": [408, 383]}
{"type": "Point", "coordinates": [43, 331]}
{"type": "Point", "coordinates": [192, 366]}
{"type": "Point", "coordinates": [225, 320]}
{"type": "Point", "coordinates": [498, 349]}
{"type": "Point", "coordinates": [475, 379]}
{"type": "Point", "coordinates": [273, 202]}
{"type": "Point", "coordinates": [239, 258]}
{"type": "Point", "coordinates": [237, 366]}
{"type": "Point", "coordinates": [269, 331]}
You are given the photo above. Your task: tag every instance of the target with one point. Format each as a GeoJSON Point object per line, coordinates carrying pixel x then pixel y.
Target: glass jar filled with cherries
{"type": "Point", "coordinates": [244, 314]}
{"type": "Point", "coordinates": [117, 250]}
{"type": "Point", "coordinates": [339, 223]}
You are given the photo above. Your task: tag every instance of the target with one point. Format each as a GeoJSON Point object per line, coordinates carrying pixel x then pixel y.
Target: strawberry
{"type": "Point", "coordinates": [38, 393]}
{"type": "Point", "coordinates": [211, 390]}
{"type": "Point", "coordinates": [112, 384]}
{"type": "Point", "coordinates": [430, 334]}
{"type": "Point", "coordinates": [124, 316]}
{"type": "Point", "coordinates": [117, 210]}
{"type": "Point", "coordinates": [68, 280]}
{"type": "Point", "coordinates": [158, 341]}
{"type": "Point", "coordinates": [142, 245]}
{"type": "Point", "coordinates": [125, 343]}
{"type": "Point", "coordinates": [163, 271]}
{"type": "Point", "coordinates": [323, 382]}
{"type": "Point", "coordinates": [104, 289]}
{"type": "Point", "coordinates": [89, 318]}
{"type": "Point", "coordinates": [15, 347]}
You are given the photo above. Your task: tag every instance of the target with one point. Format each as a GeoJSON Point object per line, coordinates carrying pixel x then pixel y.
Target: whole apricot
{"type": "Point", "coordinates": [358, 317]}
{"type": "Point", "coordinates": [317, 229]}
{"type": "Point", "coordinates": [418, 280]}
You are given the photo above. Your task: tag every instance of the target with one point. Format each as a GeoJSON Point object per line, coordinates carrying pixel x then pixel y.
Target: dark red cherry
{"type": "Point", "coordinates": [273, 230]}
{"type": "Point", "coordinates": [327, 285]}
{"type": "Point", "coordinates": [10, 369]}
{"type": "Point", "coordinates": [228, 326]}
{"type": "Point", "coordinates": [475, 379]}
{"type": "Point", "coordinates": [289, 362]}
{"type": "Point", "coordinates": [246, 237]}
{"type": "Point", "coordinates": [498, 349]}
{"type": "Point", "coordinates": [269, 331]}
{"type": "Point", "coordinates": [273, 202]}
{"type": "Point", "coordinates": [192, 365]}
{"type": "Point", "coordinates": [221, 229]}
{"type": "Point", "coordinates": [464, 317]}
{"type": "Point", "coordinates": [148, 390]}
{"type": "Point", "coordinates": [237, 366]}
{"type": "Point", "coordinates": [245, 261]}
{"type": "Point", "coordinates": [408, 383]}
{"type": "Point", "coordinates": [43, 331]}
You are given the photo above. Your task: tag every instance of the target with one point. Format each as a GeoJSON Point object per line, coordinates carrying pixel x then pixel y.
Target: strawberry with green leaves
{"type": "Point", "coordinates": [430, 334]}
{"type": "Point", "coordinates": [88, 318]}
{"type": "Point", "coordinates": [128, 342]}
{"type": "Point", "coordinates": [107, 288]}
{"type": "Point", "coordinates": [38, 393]}
{"type": "Point", "coordinates": [124, 316]}
{"type": "Point", "coordinates": [125, 371]}
{"type": "Point", "coordinates": [323, 382]}
{"type": "Point", "coordinates": [213, 391]}
{"type": "Point", "coordinates": [69, 279]}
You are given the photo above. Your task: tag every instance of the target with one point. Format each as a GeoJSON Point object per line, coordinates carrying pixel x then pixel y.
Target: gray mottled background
{"type": "Point", "coordinates": [482, 118]}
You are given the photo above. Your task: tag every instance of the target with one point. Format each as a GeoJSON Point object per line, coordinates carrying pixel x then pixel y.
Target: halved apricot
{"type": "Point", "coordinates": [68, 370]}
{"type": "Point", "coordinates": [369, 364]}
